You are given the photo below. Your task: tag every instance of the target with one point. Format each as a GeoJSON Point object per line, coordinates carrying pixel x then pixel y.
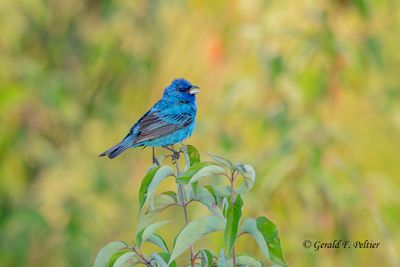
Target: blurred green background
{"type": "Point", "coordinates": [305, 91]}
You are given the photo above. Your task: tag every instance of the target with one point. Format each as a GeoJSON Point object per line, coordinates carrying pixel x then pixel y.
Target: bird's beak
{"type": "Point", "coordinates": [194, 90]}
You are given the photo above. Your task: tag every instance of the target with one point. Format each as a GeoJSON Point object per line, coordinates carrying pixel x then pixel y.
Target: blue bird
{"type": "Point", "coordinates": [169, 121]}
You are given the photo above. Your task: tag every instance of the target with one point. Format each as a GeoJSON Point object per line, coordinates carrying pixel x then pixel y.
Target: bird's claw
{"type": "Point", "coordinates": [175, 156]}
{"type": "Point", "coordinates": [155, 161]}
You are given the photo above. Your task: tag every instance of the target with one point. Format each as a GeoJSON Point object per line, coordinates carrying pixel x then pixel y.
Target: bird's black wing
{"type": "Point", "coordinates": [155, 125]}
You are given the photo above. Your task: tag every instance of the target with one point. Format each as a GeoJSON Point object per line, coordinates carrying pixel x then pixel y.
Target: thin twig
{"type": "Point", "coordinates": [141, 257]}
{"type": "Point", "coordinates": [227, 176]}
{"type": "Point", "coordinates": [183, 204]}
{"type": "Point", "coordinates": [232, 180]}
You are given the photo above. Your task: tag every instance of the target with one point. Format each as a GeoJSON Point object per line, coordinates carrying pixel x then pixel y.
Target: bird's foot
{"type": "Point", "coordinates": [175, 154]}
{"type": "Point", "coordinates": [155, 161]}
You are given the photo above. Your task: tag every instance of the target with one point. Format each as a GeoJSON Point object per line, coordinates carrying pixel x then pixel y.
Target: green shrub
{"type": "Point", "coordinates": [224, 202]}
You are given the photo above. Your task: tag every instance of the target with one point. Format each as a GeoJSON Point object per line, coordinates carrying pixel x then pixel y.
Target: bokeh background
{"type": "Point", "coordinates": [305, 91]}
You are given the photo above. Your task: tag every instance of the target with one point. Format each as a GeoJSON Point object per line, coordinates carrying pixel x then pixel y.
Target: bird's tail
{"type": "Point", "coordinates": [117, 149]}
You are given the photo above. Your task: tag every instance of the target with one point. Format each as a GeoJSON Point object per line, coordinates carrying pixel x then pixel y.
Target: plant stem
{"type": "Point", "coordinates": [185, 210]}
{"type": "Point", "coordinates": [141, 257]}
{"type": "Point", "coordinates": [232, 180]}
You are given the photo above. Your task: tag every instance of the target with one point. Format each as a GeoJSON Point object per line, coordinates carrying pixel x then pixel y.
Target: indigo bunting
{"type": "Point", "coordinates": [169, 121]}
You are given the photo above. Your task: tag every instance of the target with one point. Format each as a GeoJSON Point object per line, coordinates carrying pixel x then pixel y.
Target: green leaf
{"type": "Point", "coordinates": [158, 261]}
{"type": "Point", "coordinates": [221, 191]}
{"type": "Point", "coordinates": [194, 155]}
{"type": "Point", "coordinates": [265, 234]}
{"type": "Point", "coordinates": [128, 259]}
{"type": "Point", "coordinates": [194, 231]}
{"type": "Point", "coordinates": [171, 194]}
{"type": "Point", "coordinates": [221, 259]}
{"type": "Point", "coordinates": [239, 167]}
{"type": "Point", "coordinates": [249, 226]}
{"type": "Point", "coordinates": [194, 186]}
{"type": "Point", "coordinates": [232, 223]}
{"type": "Point", "coordinates": [249, 175]}
{"type": "Point", "coordinates": [212, 191]}
{"type": "Point", "coordinates": [206, 257]}
{"type": "Point", "coordinates": [149, 188]}
{"type": "Point", "coordinates": [145, 233]}
{"type": "Point", "coordinates": [162, 201]}
{"type": "Point", "coordinates": [204, 196]}
{"type": "Point", "coordinates": [198, 171]}
{"type": "Point", "coordinates": [206, 172]}
{"type": "Point", "coordinates": [222, 161]}
{"type": "Point", "coordinates": [114, 257]}
{"type": "Point", "coordinates": [145, 184]}
{"type": "Point", "coordinates": [107, 251]}
{"type": "Point", "coordinates": [161, 259]}
{"type": "Point", "coordinates": [246, 260]}
{"type": "Point", "coordinates": [225, 205]}
{"type": "Point", "coordinates": [270, 234]}
{"type": "Point", "coordinates": [158, 241]}
{"type": "Point", "coordinates": [185, 177]}
{"type": "Point", "coordinates": [145, 219]}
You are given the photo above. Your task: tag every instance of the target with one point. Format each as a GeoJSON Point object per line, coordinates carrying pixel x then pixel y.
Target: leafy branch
{"type": "Point", "coordinates": [224, 202]}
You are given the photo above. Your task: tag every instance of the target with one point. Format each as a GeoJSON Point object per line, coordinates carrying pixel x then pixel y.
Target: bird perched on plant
{"type": "Point", "coordinates": [169, 121]}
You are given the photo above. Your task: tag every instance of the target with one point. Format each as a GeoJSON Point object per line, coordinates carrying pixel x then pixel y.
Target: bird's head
{"type": "Point", "coordinates": [181, 90]}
